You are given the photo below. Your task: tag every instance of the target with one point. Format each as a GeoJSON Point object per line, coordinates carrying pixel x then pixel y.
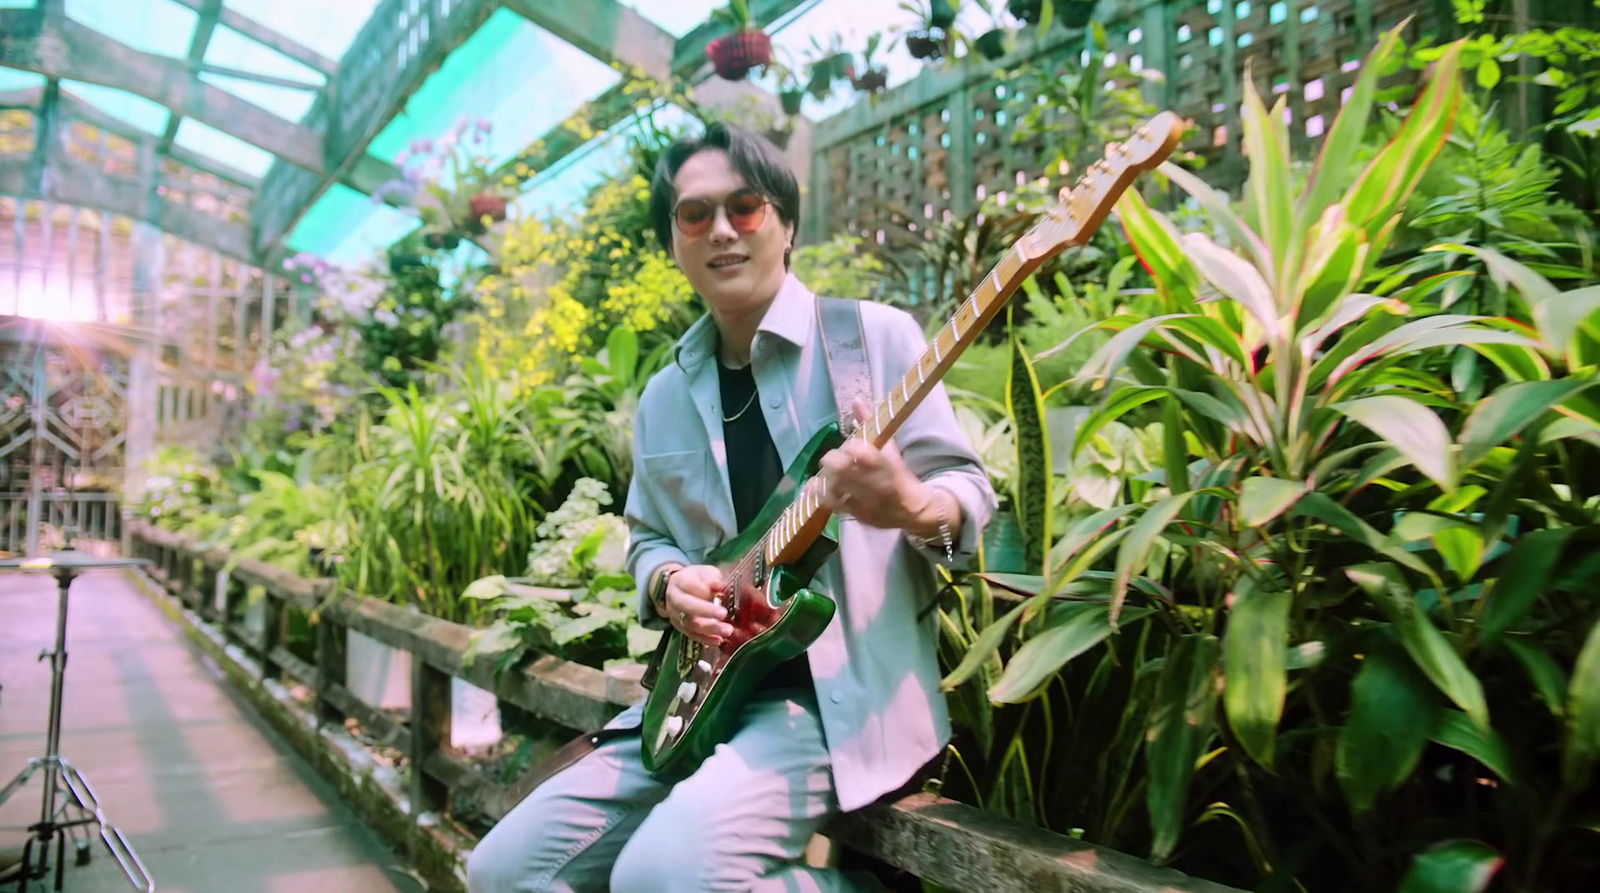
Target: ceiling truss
{"type": "Point", "coordinates": [330, 148]}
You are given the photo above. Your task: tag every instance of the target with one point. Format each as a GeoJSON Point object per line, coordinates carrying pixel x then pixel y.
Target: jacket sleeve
{"type": "Point", "coordinates": [648, 546]}
{"type": "Point", "coordinates": [934, 445]}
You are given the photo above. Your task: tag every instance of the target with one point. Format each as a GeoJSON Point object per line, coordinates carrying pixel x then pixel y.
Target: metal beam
{"type": "Point", "coordinates": [268, 37]}
{"type": "Point", "coordinates": [606, 30]}
{"type": "Point", "coordinates": [615, 105]}
{"type": "Point", "coordinates": [74, 108]}
{"type": "Point", "coordinates": [379, 72]}
{"type": "Point", "coordinates": [60, 47]}
{"type": "Point", "coordinates": [242, 75]}
{"type": "Point", "coordinates": [73, 182]}
{"type": "Point", "coordinates": [201, 39]}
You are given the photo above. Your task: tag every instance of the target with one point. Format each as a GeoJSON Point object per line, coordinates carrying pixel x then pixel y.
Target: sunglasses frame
{"type": "Point", "coordinates": [766, 202]}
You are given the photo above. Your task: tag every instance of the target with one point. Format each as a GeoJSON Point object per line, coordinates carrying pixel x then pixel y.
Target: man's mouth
{"type": "Point", "coordinates": [726, 260]}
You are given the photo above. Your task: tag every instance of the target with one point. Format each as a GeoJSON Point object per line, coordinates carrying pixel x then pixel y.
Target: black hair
{"type": "Point", "coordinates": [756, 159]}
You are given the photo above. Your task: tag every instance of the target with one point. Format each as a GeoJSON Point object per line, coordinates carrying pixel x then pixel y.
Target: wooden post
{"type": "Point", "coordinates": [271, 634]}
{"type": "Point", "coordinates": [331, 638]}
{"type": "Point", "coordinates": [430, 730]}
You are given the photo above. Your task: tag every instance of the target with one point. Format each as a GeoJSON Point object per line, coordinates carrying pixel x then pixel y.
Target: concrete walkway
{"type": "Point", "coordinates": [211, 799]}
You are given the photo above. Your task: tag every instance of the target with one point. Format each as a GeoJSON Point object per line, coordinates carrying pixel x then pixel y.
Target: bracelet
{"type": "Point", "coordinates": [945, 537]}
{"type": "Point", "coordinates": [659, 596]}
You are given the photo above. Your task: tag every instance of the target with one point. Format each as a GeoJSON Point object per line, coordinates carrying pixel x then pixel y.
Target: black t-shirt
{"type": "Point", "coordinates": [754, 470]}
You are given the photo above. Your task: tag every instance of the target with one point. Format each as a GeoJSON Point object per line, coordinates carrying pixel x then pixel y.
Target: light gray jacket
{"type": "Point", "coordinates": [876, 666]}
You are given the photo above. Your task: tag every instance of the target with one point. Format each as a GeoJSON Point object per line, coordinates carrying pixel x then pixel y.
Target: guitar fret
{"type": "Point", "coordinates": [921, 379]}
{"type": "Point", "coordinates": [936, 357]}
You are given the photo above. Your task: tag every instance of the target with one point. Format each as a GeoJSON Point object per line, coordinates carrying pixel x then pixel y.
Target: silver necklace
{"type": "Point", "coordinates": [747, 405]}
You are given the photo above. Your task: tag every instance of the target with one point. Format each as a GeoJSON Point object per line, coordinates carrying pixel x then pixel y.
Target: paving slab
{"type": "Point", "coordinates": [211, 798]}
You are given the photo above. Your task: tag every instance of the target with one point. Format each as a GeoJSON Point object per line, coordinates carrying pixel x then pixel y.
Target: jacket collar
{"type": "Point", "coordinates": [790, 316]}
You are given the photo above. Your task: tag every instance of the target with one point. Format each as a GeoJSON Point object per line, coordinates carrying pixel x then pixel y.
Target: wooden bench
{"type": "Point", "coordinates": [952, 844]}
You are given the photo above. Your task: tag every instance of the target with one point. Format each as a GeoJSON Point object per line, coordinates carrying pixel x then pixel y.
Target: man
{"type": "Point", "coordinates": [857, 715]}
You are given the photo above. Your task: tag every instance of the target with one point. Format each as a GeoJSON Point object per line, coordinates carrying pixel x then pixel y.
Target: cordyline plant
{"type": "Point", "coordinates": [1341, 568]}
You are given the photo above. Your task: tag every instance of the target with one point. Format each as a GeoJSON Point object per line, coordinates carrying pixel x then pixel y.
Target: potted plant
{"type": "Point", "coordinates": [941, 14]}
{"type": "Point", "coordinates": [465, 194]}
{"type": "Point", "coordinates": [734, 55]}
{"type": "Point", "coordinates": [991, 44]}
{"type": "Point", "coordinates": [930, 39]}
{"type": "Point", "coordinates": [790, 94]}
{"type": "Point", "coordinates": [828, 64]}
{"type": "Point", "coordinates": [870, 79]}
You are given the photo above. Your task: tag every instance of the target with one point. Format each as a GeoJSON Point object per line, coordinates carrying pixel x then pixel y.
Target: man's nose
{"type": "Point", "coordinates": [721, 228]}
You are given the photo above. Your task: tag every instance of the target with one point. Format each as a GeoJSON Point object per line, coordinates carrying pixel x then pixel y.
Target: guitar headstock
{"type": "Point", "coordinates": [1082, 209]}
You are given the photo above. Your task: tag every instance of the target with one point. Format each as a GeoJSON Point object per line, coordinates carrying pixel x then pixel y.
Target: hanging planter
{"type": "Point", "coordinates": [871, 81]}
{"type": "Point", "coordinates": [925, 44]}
{"type": "Point", "coordinates": [487, 204]}
{"type": "Point", "coordinates": [992, 44]}
{"type": "Point", "coordinates": [779, 136]}
{"type": "Point", "coordinates": [791, 100]}
{"type": "Point", "coordinates": [1028, 11]}
{"type": "Point", "coordinates": [735, 55]}
{"type": "Point", "coordinates": [825, 71]}
{"type": "Point", "coordinates": [941, 14]}
{"type": "Point", "coordinates": [441, 241]}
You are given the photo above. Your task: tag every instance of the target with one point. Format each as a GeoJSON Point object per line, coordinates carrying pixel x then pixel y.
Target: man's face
{"type": "Point", "coordinates": [727, 237]}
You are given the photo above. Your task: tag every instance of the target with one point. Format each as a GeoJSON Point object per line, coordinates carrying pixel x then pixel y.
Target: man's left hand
{"type": "Point", "coordinates": [872, 485]}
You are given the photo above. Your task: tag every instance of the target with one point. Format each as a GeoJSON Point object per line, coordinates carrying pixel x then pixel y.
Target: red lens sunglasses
{"type": "Point", "coordinates": [747, 209]}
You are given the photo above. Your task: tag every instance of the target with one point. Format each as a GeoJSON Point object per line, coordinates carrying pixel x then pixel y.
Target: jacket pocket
{"type": "Point", "coordinates": [680, 484]}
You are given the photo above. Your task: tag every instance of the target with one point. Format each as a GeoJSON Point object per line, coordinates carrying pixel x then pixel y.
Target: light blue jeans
{"type": "Point", "coordinates": [741, 822]}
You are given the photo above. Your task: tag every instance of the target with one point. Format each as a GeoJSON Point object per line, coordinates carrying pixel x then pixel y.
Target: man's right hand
{"type": "Point", "coordinates": [692, 606]}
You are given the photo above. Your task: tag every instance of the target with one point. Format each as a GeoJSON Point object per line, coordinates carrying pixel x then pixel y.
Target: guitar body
{"type": "Point", "coordinates": [700, 691]}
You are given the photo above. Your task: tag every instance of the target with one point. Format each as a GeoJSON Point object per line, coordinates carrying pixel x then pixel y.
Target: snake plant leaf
{"type": "Point", "coordinates": [1393, 711]}
{"type": "Point", "coordinates": [1262, 499]}
{"type": "Point", "coordinates": [1182, 721]}
{"type": "Point", "coordinates": [1032, 493]}
{"type": "Point", "coordinates": [1510, 409]}
{"type": "Point", "coordinates": [1582, 746]}
{"type": "Point", "coordinates": [1410, 427]}
{"type": "Point", "coordinates": [1333, 171]}
{"type": "Point", "coordinates": [1453, 866]}
{"type": "Point", "coordinates": [982, 648]}
{"type": "Point", "coordinates": [1255, 674]}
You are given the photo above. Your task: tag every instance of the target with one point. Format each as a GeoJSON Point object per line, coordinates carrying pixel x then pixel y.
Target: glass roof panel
{"type": "Point", "coordinates": [212, 142]}
{"type": "Point", "coordinates": [327, 26]}
{"type": "Point", "coordinates": [145, 114]}
{"type": "Point", "coordinates": [285, 102]}
{"type": "Point", "coordinates": [231, 49]}
{"type": "Point", "coordinates": [520, 77]}
{"type": "Point", "coordinates": [677, 16]}
{"type": "Point", "coordinates": [154, 26]}
{"type": "Point", "coordinates": [854, 21]}
{"type": "Point", "coordinates": [12, 80]}
{"type": "Point", "coordinates": [347, 228]}
{"type": "Point", "coordinates": [16, 4]}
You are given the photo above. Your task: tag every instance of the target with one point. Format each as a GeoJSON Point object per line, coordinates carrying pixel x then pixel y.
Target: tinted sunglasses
{"type": "Point", "coordinates": [747, 209]}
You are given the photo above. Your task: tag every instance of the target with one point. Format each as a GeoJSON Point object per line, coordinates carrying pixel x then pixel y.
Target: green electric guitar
{"type": "Point", "coordinates": [699, 690]}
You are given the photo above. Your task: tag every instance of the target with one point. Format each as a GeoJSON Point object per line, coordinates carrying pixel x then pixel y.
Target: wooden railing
{"type": "Point", "coordinates": [949, 843]}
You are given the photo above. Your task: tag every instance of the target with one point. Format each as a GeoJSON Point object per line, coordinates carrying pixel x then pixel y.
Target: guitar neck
{"type": "Point", "coordinates": [804, 520]}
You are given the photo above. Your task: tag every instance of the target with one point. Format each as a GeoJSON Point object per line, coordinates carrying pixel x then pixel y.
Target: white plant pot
{"type": "Point", "coordinates": [474, 715]}
{"type": "Point", "coordinates": [376, 673]}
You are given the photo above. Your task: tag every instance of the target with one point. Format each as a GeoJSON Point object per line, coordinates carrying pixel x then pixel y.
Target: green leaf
{"type": "Point", "coordinates": [1156, 245]}
{"type": "Point", "coordinates": [1389, 179]}
{"type": "Point", "coordinates": [1174, 452]}
{"type": "Point", "coordinates": [1268, 202]}
{"type": "Point", "coordinates": [1547, 678]}
{"type": "Point", "coordinates": [1238, 281]}
{"type": "Point", "coordinates": [1141, 541]}
{"type": "Point", "coordinates": [1488, 73]}
{"type": "Point", "coordinates": [1119, 404]}
{"type": "Point", "coordinates": [1461, 546]}
{"type": "Point", "coordinates": [1456, 730]}
{"type": "Point", "coordinates": [578, 627]}
{"type": "Point", "coordinates": [1511, 408]}
{"type": "Point", "coordinates": [1032, 494]}
{"type": "Point", "coordinates": [642, 641]}
{"type": "Point", "coordinates": [1075, 631]}
{"type": "Point", "coordinates": [1521, 579]}
{"type": "Point", "coordinates": [982, 648]}
{"type": "Point", "coordinates": [1411, 428]}
{"type": "Point", "coordinates": [1333, 171]}
{"type": "Point", "coordinates": [1320, 505]}
{"type": "Point", "coordinates": [1262, 499]}
{"type": "Point", "coordinates": [1392, 712]}
{"type": "Point", "coordinates": [1181, 725]}
{"type": "Point", "coordinates": [1255, 670]}
{"type": "Point", "coordinates": [1453, 866]}
{"type": "Point", "coordinates": [1583, 713]}
{"type": "Point", "coordinates": [486, 587]}
{"type": "Point", "coordinates": [1432, 652]}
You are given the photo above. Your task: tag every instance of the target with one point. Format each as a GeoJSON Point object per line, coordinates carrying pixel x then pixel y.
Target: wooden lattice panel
{"type": "Point", "coordinates": [1303, 52]}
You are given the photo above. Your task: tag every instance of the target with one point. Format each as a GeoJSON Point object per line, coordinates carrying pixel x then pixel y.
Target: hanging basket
{"type": "Point", "coordinates": [941, 14]}
{"type": "Point", "coordinates": [791, 100]}
{"type": "Point", "coordinates": [992, 44]}
{"type": "Point", "coordinates": [486, 204]}
{"type": "Point", "coordinates": [1074, 13]}
{"type": "Point", "coordinates": [872, 81]}
{"type": "Point", "coordinates": [925, 44]}
{"type": "Point", "coordinates": [735, 55]}
{"type": "Point", "coordinates": [1028, 11]}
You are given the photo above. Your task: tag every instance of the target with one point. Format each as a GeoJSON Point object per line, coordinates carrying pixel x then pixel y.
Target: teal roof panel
{"type": "Point", "coordinates": [327, 26]}
{"type": "Point", "coordinates": [147, 115]}
{"type": "Point", "coordinates": [154, 26]}
{"type": "Point", "coordinates": [212, 142]}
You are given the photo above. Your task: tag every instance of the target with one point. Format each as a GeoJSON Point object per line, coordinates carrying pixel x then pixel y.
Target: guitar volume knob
{"type": "Point", "coordinates": [686, 692]}
{"type": "Point", "coordinates": [674, 726]}
{"type": "Point", "coordinates": [702, 666]}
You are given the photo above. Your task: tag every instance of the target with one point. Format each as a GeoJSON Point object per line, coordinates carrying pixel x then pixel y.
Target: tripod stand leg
{"type": "Point", "coordinates": [121, 851]}
{"type": "Point", "coordinates": [20, 779]}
